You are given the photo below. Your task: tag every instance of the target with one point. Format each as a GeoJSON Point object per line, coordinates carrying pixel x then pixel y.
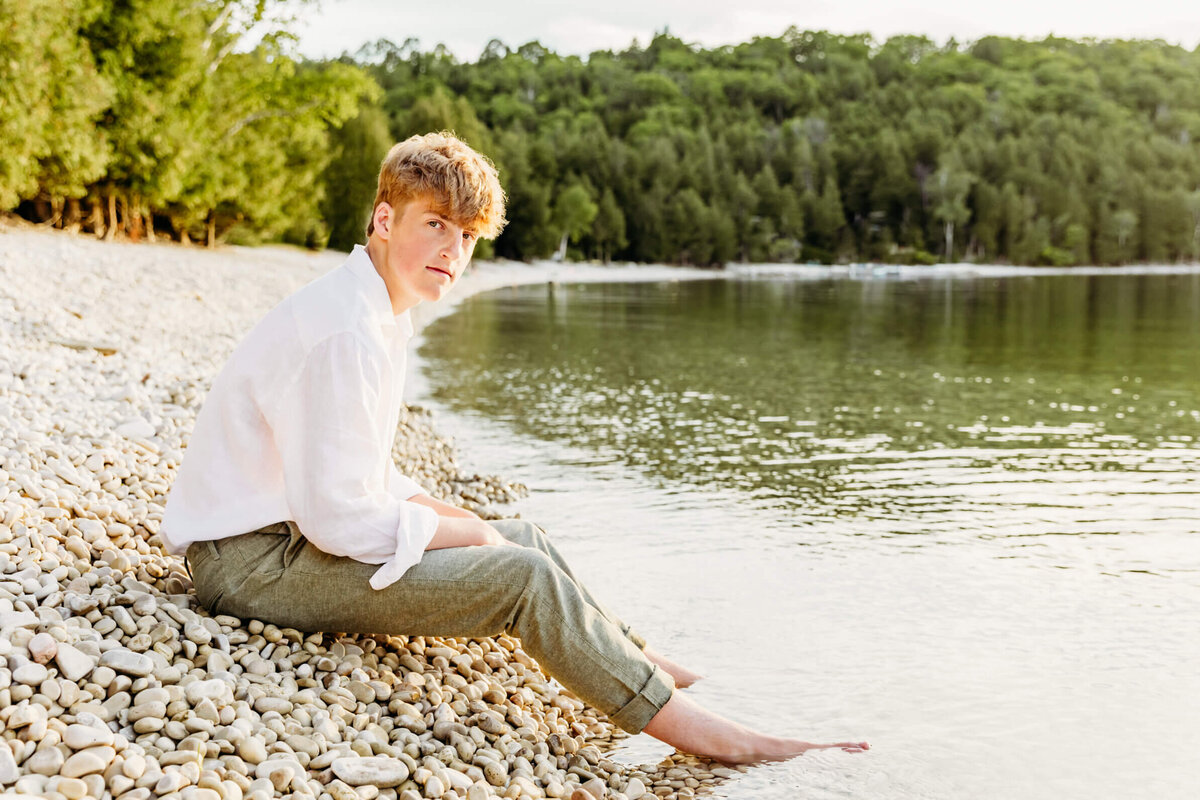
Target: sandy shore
{"type": "Point", "coordinates": [114, 683]}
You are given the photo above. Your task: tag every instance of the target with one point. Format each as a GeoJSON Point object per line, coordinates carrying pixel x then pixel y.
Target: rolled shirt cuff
{"type": "Point", "coordinates": [418, 523]}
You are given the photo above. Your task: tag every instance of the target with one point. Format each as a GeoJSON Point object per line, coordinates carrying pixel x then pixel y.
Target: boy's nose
{"type": "Point", "coordinates": [453, 249]}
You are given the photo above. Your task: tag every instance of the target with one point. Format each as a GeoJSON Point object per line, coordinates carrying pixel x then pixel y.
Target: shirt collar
{"type": "Point", "coordinates": [360, 265]}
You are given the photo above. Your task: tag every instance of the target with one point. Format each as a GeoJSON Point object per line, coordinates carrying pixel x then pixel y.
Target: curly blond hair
{"type": "Point", "coordinates": [461, 182]}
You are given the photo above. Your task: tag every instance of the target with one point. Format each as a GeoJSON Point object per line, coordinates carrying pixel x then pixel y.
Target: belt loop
{"type": "Point", "coordinates": [212, 548]}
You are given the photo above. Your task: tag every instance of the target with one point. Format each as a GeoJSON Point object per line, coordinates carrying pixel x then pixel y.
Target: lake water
{"type": "Point", "coordinates": [956, 517]}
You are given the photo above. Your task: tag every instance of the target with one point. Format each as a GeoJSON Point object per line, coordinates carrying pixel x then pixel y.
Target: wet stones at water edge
{"type": "Point", "coordinates": [115, 684]}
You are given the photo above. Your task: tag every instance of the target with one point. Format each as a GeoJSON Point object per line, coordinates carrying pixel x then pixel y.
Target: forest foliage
{"type": "Point", "coordinates": [808, 146]}
{"type": "Point", "coordinates": [121, 117]}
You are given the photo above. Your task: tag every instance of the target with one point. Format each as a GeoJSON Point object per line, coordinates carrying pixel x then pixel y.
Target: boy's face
{"type": "Point", "coordinates": [424, 251]}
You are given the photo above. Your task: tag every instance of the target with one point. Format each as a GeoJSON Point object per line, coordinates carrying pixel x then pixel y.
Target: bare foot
{"type": "Point", "coordinates": [684, 724]}
{"type": "Point", "coordinates": [683, 676]}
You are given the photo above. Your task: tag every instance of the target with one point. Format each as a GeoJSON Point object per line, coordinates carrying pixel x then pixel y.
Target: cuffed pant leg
{"type": "Point", "coordinates": [464, 591]}
{"type": "Point", "coordinates": [528, 534]}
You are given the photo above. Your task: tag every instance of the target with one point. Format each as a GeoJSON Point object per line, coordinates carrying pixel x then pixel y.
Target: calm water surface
{"type": "Point", "coordinates": [957, 518]}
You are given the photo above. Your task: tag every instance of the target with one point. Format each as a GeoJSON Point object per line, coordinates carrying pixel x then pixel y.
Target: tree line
{"type": "Point", "coordinates": [127, 117]}
{"type": "Point", "coordinates": [808, 146]}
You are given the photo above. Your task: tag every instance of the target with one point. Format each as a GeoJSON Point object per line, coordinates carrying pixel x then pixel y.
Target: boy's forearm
{"type": "Point", "coordinates": [462, 532]}
{"type": "Point", "coordinates": [443, 509]}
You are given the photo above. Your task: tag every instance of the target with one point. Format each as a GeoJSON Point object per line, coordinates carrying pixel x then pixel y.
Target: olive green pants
{"type": "Point", "coordinates": [274, 574]}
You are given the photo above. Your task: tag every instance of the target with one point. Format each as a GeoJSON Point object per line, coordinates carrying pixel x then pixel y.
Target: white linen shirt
{"type": "Point", "coordinates": [299, 426]}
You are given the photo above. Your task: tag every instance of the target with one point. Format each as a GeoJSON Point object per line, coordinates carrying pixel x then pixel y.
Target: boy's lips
{"type": "Point", "coordinates": [441, 271]}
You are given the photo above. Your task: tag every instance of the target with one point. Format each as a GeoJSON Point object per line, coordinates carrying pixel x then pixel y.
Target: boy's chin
{"type": "Point", "coordinates": [435, 293]}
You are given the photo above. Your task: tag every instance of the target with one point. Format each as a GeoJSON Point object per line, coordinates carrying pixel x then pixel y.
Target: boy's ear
{"type": "Point", "coordinates": [382, 217]}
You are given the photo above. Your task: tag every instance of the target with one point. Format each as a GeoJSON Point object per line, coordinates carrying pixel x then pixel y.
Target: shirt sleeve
{"type": "Point", "coordinates": [336, 464]}
{"type": "Point", "coordinates": [403, 486]}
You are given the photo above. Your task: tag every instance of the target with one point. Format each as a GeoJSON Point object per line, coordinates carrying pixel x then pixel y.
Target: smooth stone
{"type": "Point", "coordinates": [252, 750]}
{"type": "Point", "coordinates": [145, 605]}
{"type": "Point", "coordinates": [170, 782]}
{"type": "Point", "coordinates": [154, 710]}
{"type": "Point", "coordinates": [156, 694]}
{"type": "Point", "coordinates": [8, 766]}
{"type": "Point", "coordinates": [134, 766]}
{"type": "Point", "coordinates": [434, 787]}
{"type": "Point", "coordinates": [127, 661]}
{"type": "Point", "coordinates": [200, 793]}
{"type": "Point", "coordinates": [197, 633]}
{"type": "Point", "coordinates": [32, 714]}
{"type": "Point", "coordinates": [136, 428]}
{"type": "Point", "coordinates": [18, 619]}
{"type": "Point", "coordinates": [45, 762]}
{"type": "Point", "coordinates": [42, 647]}
{"type": "Point", "coordinates": [218, 661]}
{"type": "Point", "coordinates": [635, 789]}
{"type": "Point", "coordinates": [73, 663]}
{"type": "Point", "coordinates": [339, 790]}
{"type": "Point", "coordinates": [30, 674]}
{"type": "Point", "coordinates": [280, 772]}
{"type": "Point", "coordinates": [72, 788]}
{"type": "Point", "coordinates": [277, 704]}
{"type": "Point", "coordinates": [494, 772]}
{"type": "Point", "coordinates": [207, 711]}
{"type": "Point", "coordinates": [216, 690]}
{"type": "Point", "coordinates": [79, 737]}
{"type": "Point", "coordinates": [86, 762]}
{"type": "Point", "coordinates": [373, 771]}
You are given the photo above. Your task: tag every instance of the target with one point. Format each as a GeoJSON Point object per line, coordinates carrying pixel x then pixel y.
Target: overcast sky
{"type": "Point", "coordinates": [465, 27]}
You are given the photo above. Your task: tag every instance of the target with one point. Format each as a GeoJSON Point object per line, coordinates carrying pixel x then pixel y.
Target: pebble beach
{"type": "Point", "coordinates": [116, 683]}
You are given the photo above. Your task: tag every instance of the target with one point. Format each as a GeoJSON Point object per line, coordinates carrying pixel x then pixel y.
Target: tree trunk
{"type": "Point", "coordinates": [74, 217]}
{"type": "Point", "coordinates": [56, 209]}
{"type": "Point", "coordinates": [148, 217]}
{"type": "Point", "coordinates": [212, 229]}
{"type": "Point", "coordinates": [949, 241]}
{"type": "Point", "coordinates": [131, 212]}
{"type": "Point", "coordinates": [561, 253]}
{"type": "Point", "coordinates": [96, 216]}
{"type": "Point", "coordinates": [110, 232]}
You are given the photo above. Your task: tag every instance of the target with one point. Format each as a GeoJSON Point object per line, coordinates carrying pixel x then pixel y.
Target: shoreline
{"type": "Point", "coordinates": [114, 683]}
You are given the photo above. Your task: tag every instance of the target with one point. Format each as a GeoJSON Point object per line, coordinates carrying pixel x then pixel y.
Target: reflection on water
{"type": "Point", "coordinates": [957, 516]}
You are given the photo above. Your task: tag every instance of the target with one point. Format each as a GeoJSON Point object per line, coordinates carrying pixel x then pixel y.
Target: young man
{"type": "Point", "coordinates": [290, 508]}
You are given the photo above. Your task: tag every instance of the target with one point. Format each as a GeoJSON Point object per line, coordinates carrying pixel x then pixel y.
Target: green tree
{"type": "Point", "coordinates": [574, 212]}
{"type": "Point", "coordinates": [826, 218]}
{"type": "Point", "coordinates": [358, 148]}
{"type": "Point", "coordinates": [948, 190]}
{"type": "Point", "coordinates": [51, 98]}
{"type": "Point", "coordinates": [608, 229]}
{"type": "Point", "coordinates": [1124, 223]}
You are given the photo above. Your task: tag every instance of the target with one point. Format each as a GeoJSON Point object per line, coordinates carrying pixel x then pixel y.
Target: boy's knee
{"type": "Point", "coordinates": [517, 530]}
{"type": "Point", "coordinates": [533, 565]}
